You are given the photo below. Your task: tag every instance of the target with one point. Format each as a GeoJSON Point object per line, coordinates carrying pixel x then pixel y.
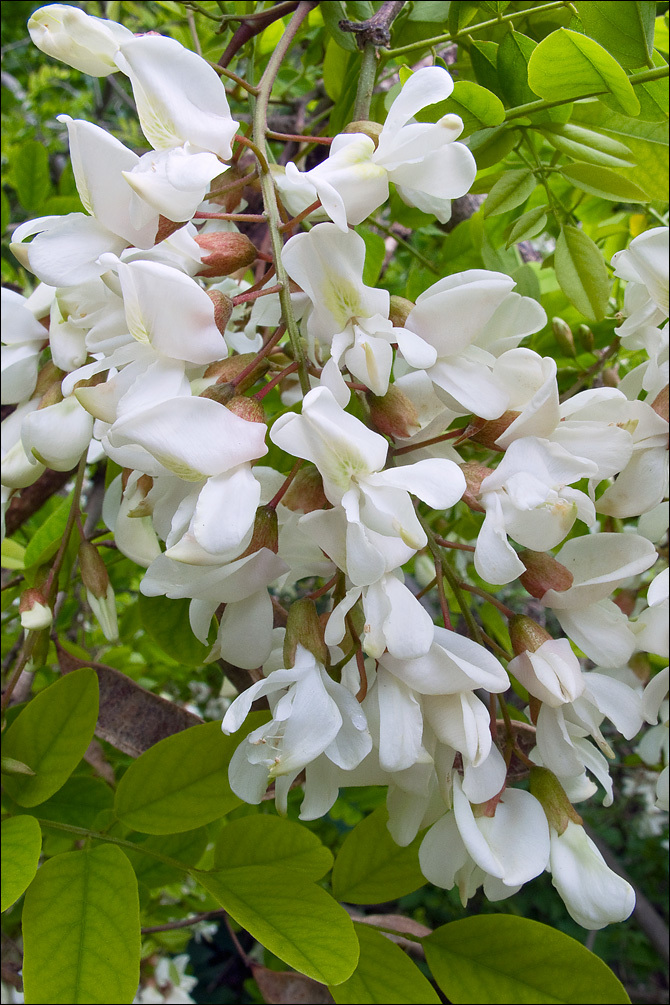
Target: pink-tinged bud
{"type": "Point", "coordinates": [526, 634]}
{"type": "Point", "coordinates": [625, 601]}
{"type": "Point", "coordinates": [166, 228]}
{"type": "Point", "coordinates": [544, 573]}
{"type": "Point", "coordinates": [229, 370]}
{"type": "Point", "coordinates": [247, 408]}
{"type": "Point", "coordinates": [585, 336]}
{"type": "Point", "coordinates": [394, 413]}
{"type": "Point", "coordinates": [49, 374]}
{"type": "Point", "coordinates": [52, 396]}
{"type": "Point", "coordinates": [611, 376]}
{"type": "Point", "coordinates": [304, 627]}
{"type": "Point", "coordinates": [265, 533]}
{"type": "Point", "coordinates": [305, 493]}
{"type": "Point", "coordinates": [368, 128]}
{"type": "Point", "coordinates": [34, 611]}
{"type": "Point", "coordinates": [488, 432]}
{"type": "Point", "coordinates": [474, 476]}
{"type": "Point", "coordinates": [399, 310]}
{"type": "Point", "coordinates": [660, 403]}
{"type": "Point", "coordinates": [548, 791]}
{"type": "Point", "coordinates": [225, 252]}
{"type": "Point", "coordinates": [223, 308]}
{"type": "Point", "coordinates": [564, 337]}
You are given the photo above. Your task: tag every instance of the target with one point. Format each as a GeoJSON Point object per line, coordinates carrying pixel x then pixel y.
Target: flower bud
{"type": "Point", "coordinates": [99, 591]}
{"type": "Point", "coordinates": [247, 408]}
{"type": "Point", "coordinates": [84, 42]}
{"type": "Point", "coordinates": [399, 310]}
{"type": "Point", "coordinates": [34, 610]}
{"type": "Point", "coordinates": [660, 403]}
{"type": "Point", "coordinates": [305, 493]}
{"type": "Point", "coordinates": [611, 377]}
{"type": "Point", "coordinates": [223, 308]}
{"type": "Point", "coordinates": [223, 393]}
{"type": "Point", "coordinates": [488, 432]}
{"type": "Point", "coordinates": [585, 336]}
{"type": "Point", "coordinates": [304, 627]}
{"type": "Point", "coordinates": [526, 634]}
{"type": "Point", "coordinates": [365, 126]}
{"type": "Point", "coordinates": [544, 573]}
{"type": "Point", "coordinates": [229, 370]}
{"type": "Point", "coordinates": [394, 413]}
{"type": "Point", "coordinates": [225, 252]}
{"type": "Point", "coordinates": [49, 374]}
{"type": "Point", "coordinates": [549, 792]}
{"type": "Point", "coordinates": [564, 339]}
{"type": "Point", "coordinates": [474, 476]}
{"type": "Point", "coordinates": [52, 396]}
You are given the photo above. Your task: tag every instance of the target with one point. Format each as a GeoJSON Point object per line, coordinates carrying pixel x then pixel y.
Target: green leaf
{"type": "Point", "coordinates": [267, 840]}
{"type": "Point", "coordinates": [647, 141]}
{"type": "Point", "coordinates": [181, 782]}
{"type": "Point", "coordinates": [491, 146]}
{"type": "Point", "coordinates": [51, 736]}
{"type": "Point", "coordinates": [477, 107]}
{"type": "Point", "coordinates": [5, 212]}
{"type": "Point", "coordinates": [45, 542]}
{"type": "Point", "coordinates": [484, 56]}
{"type": "Point", "coordinates": [31, 175]}
{"type": "Point", "coordinates": [13, 554]}
{"type": "Point", "coordinates": [375, 253]}
{"type": "Point", "coordinates": [604, 183]}
{"type": "Point", "coordinates": [513, 56]}
{"type": "Point", "coordinates": [166, 622]}
{"type": "Point", "coordinates": [186, 847]}
{"type": "Point", "coordinates": [371, 868]}
{"type": "Point", "coordinates": [335, 66]}
{"type": "Point", "coordinates": [333, 12]}
{"type": "Point", "coordinates": [581, 273]}
{"type": "Point", "coordinates": [569, 65]}
{"type": "Point", "coordinates": [509, 192]}
{"type": "Point", "coordinates": [654, 96]}
{"type": "Point", "coordinates": [81, 930]}
{"type": "Point", "coordinates": [586, 145]}
{"type": "Point", "coordinates": [429, 10]}
{"type": "Point", "coordinates": [384, 975]}
{"type": "Point", "coordinates": [531, 223]}
{"type": "Point", "coordinates": [78, 801]}
{"type": "Point", "coordinates": [21, 847]}
{"type": "Point", "coordinates": [297, 921]}
{"type": "Point", "coordinates": [504, 959]}
{"type": "Point", "coordinates": [625, 29]}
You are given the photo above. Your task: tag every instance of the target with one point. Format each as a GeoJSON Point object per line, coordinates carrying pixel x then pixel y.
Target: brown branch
{"type": "Point", "coordinates": [32, 498]}
{"type": "Point", "coordinates": [377, 29]}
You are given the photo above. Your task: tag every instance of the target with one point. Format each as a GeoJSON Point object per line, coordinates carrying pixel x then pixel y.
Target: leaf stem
{"type": "Point", "coordinates": [84, 832]}
{"type": "Point", "coordinates": [644, 77]}
{"type": "Point", "coordinates": [366, 83]}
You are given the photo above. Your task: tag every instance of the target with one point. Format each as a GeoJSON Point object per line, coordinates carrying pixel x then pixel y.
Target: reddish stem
{"type": "Point", "coordinates": [275, 380]}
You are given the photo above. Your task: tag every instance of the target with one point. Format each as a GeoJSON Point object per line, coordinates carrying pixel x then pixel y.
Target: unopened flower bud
{"type": "Point", "coordinates": [660, 403]}
{"type": "Point", "coordinates": [34, 610]}
{"type": "Point", "coordinates": [611, 377]}
{"type": "Point", "coordinates": [247, 408]}
{"type": "Point", "coordinates": [223, 393]}
{"type": "Point", "coordinates": [225, 252]}
{"type": "Point", "coordinates": [564, 338]}
{"type": "Point", "coordinates": [474, 476]}
{"type": "Point", "coordinates": [87, 43]}
{"type": "Point", "coordinates": [265, 533]}
{"type": "Point", "coordinates": [394, 413]}
{"type": "Point", "coordinates": [488, 432]}
{"type": "Point", "coordinates": [52, 396]}
{"type": "Point", "coordinates": [548, 791]}
{"type": "Point", "coordinates": [304, 627]}
{"type": "Point", "coordinates": [526, 634]}
{"type": "Point", "coordinates": [223, 308]}
{"type": "Point", "coordinates": [305, 493]}
{"type": "Point", "coordinates": [399, 310]}
{"type": "Point", "coordinates": [365, 126]}
{"type": "Point", "coordinates": [544, 573]}
{"type": "Point", "coordinates": [585, 336]}
{"type": "Point", "coordinates": [166, 228]}
{"type": "Point", "coordinates": [99, 591]}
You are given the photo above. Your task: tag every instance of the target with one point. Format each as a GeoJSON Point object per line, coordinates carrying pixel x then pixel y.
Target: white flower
{"type": "Point", "coordinates": [645, 265]}
{"type": "Point", "coordinates": [23, 337]}
{"type": "Point", "coordinates": [87, 43]}
{"type": "Point", "coordinates": [552, 673]}
{"type": "Point", "coordinates": [593, 894]}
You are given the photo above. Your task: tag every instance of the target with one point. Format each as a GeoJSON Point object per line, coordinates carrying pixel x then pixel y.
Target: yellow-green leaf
{"type": "Point", "coordinates": [371, 868]}
{"type": "Point", "coordinates": [384, 975]}
{"type": "Point", "coordinates": [581, 273]}
{"type": "Point", "coordinates": [21, 846]}
{"type": "Point", "coordinates": [262, 839]}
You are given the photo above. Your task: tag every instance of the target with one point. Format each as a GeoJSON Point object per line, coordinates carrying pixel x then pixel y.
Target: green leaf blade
{"type": "Point", "coordinates": [384, 975]}
{"type": "Point", "coordinates": [51, 735]}
{"type": "Point", "coordinates": [297, 921]}
{"type": "Point", "coordinates": [371, 868]}
{"type": "Point", "coordinates": [509, 192]}
{"type": "Point", "coordinates": [604, 183]}
{"type": "Point", "coordinates": [581, 273]}
{"type": "Point", "coordinates": [568, 65]}
{"type": "Point", "coordinates": [624, 27]}
{"type": "Point", "coordinates": [268, 840]}
{"type": "Point", "coordinates": [513, 960]}
{"type": "Point", "coordinates": [81, 930]}
{"type": "Point", "coordinates": [21, 846]}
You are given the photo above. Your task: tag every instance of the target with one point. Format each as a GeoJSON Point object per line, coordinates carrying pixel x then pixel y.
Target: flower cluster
{"type": "Point", "coordinates": [414, 409]}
